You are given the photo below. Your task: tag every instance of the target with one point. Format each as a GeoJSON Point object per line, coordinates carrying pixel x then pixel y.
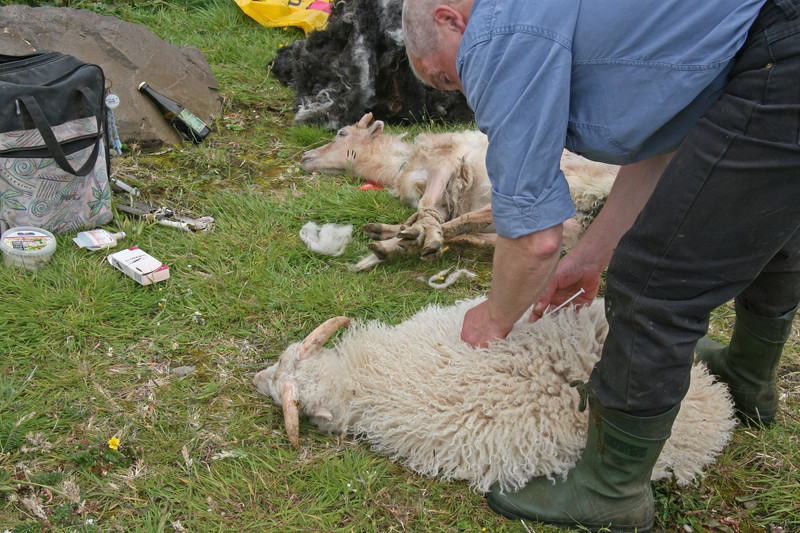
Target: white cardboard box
{"type": "Point", "coordinates": [141, 266]}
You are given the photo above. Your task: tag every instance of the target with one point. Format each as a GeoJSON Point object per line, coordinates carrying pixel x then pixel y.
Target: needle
{"type": "Point", "coordinates": [547, 311]}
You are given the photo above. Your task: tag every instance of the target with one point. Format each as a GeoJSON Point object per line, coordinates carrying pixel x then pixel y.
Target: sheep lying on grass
{"type": "Point", "coordinates": [419, 394]}
{"type": "Point", "coordinates": [444, 175]}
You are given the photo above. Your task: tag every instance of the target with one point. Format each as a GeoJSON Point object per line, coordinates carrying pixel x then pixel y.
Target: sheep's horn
{"type": "Point", "coordinates": [320, 336]}
{"type": "Point", "coordinates": [291, 413]}
{"type": "Point", "coordinates": [365, 120]}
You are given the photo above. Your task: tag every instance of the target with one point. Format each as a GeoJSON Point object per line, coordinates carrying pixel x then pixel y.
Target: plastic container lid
{"type": "Point", "coordinates": [27, 247]}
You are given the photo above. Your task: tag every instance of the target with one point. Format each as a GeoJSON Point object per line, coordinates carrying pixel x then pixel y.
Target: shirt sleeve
{"type": "Point", "coordinates": [518, 85]}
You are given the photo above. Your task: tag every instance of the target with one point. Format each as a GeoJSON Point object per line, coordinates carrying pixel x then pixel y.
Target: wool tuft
{"type": "Point", "coordinates": [330, 239]}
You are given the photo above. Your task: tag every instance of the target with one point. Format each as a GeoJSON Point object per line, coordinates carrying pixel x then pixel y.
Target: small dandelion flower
{"type": "Point", "coordinates": [113, 443]}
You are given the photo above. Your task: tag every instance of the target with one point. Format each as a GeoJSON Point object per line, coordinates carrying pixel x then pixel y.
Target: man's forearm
{"type": "Point", "coordinates": [522, 269]}
{"type": "Point", "coordinates": [631, 190]}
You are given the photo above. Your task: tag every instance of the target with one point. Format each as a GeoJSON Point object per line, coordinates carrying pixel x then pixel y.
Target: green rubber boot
{"type": "Point", "coordinates": [609, 488]}
{"type": "Point", "coordinates": [749, 364]}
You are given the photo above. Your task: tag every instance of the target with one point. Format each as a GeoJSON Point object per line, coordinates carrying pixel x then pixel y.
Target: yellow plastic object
{"type": "Point", "coordinates": [281, 13]}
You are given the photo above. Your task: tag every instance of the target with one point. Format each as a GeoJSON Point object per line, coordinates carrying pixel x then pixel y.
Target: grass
{"type": "Point", "coordinates": [86, 355]}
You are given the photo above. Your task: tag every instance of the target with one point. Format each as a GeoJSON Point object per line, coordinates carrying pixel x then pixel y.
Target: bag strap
{"type": "Point", "coordinates": [46, 131]}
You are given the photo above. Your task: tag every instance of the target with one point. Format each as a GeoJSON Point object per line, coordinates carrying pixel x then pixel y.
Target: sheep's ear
{"type": "Point", "coordinates": [365, 120]}
{"type": "Point", "coordinates": [323, 412]}
{"type": "Point", "coordinates": [263, 379]}
{"type": "Point", "coordinates": [376, 129]}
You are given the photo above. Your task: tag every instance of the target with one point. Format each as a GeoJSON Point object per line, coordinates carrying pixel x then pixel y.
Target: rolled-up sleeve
{"type": "Point", "coordinates": [523, 107]}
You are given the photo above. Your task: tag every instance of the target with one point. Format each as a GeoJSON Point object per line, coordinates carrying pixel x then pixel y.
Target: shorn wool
{"type": "Point", "coordinates": [507, 413]}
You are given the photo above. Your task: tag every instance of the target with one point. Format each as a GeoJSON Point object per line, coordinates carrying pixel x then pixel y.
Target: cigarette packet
{"type": "Point", "coordinates": [139, 265]}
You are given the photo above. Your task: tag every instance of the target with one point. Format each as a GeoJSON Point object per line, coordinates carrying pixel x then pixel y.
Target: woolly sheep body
{"type": "Point", "coordinates": [420, 395]}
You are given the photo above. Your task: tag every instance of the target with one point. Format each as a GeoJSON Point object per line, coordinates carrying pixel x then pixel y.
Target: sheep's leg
{"type": "Point", "coordinates": [473, 240]}
{"type": "Point", "coordinates": [393, 247]}
{"type": "Point", "coordinates": [425, 227]}
{"type": "Point", "coordinates": [473, 222]}
{"type": "Point", "coordinates": [462, 231]}
{"type": "Point", "coordinates": [425, 234]}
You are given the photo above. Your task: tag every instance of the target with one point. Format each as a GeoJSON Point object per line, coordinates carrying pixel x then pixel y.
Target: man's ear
{"type": "Point", "coordinates": [450, 17]}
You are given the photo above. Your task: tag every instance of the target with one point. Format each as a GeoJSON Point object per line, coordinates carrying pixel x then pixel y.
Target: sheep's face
{"type": "Point", "coordinates": [340, 154]}
{"type": "Point", "coordinates": [284, 380]}
{"type": "Point", "coordinates": [268, 381]}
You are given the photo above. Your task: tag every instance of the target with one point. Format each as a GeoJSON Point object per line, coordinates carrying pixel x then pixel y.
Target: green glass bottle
{"type": "Point", "coordinates": [183, 120]}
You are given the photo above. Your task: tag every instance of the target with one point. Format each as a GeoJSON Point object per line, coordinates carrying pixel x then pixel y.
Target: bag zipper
{"type": "Point", "coordinates": [21, 64]}
{"type": "Point", "coordinates": [11, 151]}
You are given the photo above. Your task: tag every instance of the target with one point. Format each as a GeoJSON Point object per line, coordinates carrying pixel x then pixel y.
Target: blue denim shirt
{"type": "Point", "coordinates": [617, 81]}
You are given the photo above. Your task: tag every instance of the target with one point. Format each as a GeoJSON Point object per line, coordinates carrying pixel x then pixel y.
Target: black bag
{"type": "Point", "coordinates": [54, 159]}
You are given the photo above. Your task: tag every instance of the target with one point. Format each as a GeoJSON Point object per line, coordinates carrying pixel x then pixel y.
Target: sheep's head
{"type": "Point", "coordinates": [283, 380]}
{"type": "Point", "coordinates": [340, 154]}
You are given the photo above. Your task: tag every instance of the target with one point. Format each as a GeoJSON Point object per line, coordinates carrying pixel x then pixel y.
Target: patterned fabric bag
{"type": "Point", "coordinates": [54, 160]}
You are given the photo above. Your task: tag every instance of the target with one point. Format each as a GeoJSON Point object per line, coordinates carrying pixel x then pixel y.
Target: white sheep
{"type": "Point", "coordinates": [419, 394]}
{"type": "Point", "coordinates": [444, 175]}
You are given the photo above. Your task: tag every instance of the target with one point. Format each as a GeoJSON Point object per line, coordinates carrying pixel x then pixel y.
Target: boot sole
{"type": "Point", "coordinates": [593, 528]}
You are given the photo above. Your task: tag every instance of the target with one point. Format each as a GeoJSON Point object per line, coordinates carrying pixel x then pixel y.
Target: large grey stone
{"type": "Point", "coordinates": [128, 53]}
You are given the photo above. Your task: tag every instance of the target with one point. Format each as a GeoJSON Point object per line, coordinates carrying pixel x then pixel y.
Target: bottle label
{"type": "Point", "coordinates": [189, 118]}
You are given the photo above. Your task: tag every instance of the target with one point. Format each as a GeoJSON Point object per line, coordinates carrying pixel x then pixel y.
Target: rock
{"type": "Point", "coordinates": [182, 371]}
{"type": "Point", "coordinates": [128, 54]}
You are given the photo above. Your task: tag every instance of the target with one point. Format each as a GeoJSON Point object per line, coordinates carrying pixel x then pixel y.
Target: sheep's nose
{"type": "Point", "coordinates": [307, 162]}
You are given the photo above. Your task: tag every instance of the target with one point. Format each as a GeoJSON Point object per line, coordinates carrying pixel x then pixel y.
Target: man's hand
{"type": "Point", "coordinates": [582, 267]}
{"type": "Point", "coordinates": [570, 278]}
{"type": "Point", "coordinates": [522, 269]}
{"type": "Point", "coordinates": [479, 329]}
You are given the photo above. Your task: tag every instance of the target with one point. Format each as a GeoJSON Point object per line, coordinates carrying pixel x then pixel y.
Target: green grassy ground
{"type": "Point", "coordinates": [86, 354]}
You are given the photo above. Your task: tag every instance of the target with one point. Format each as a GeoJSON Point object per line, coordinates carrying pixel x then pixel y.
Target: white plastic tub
{"type": "Point", "coordinates": [27, 247]}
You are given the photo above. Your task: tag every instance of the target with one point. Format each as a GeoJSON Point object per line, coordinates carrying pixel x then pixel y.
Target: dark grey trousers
{"type": "Point", "coordinates": [723, 221]}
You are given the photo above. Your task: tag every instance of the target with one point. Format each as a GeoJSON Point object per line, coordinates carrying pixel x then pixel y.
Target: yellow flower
{"type": "Point", "coordinates": [113, 443]}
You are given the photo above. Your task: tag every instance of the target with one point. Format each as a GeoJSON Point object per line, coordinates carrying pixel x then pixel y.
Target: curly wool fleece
{"type": "Point", "coordinates": [419, 394]}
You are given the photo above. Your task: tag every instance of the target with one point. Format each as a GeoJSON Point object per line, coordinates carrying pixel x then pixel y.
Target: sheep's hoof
{"type": "Point", "coordinates": [378, 250]}
{"type": "Point", "coordinates": [409, 233]}
{"type": "Point", "coordinates": [431, 253]}
{"type": "Point", "coordinates": [409, 244]}
{"type": "Point", "coordinates": [386, 249]}
{"type": "Point", "coordinates": [373, 230]}
{"type": "Point", "coordinates": [380, 232]}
